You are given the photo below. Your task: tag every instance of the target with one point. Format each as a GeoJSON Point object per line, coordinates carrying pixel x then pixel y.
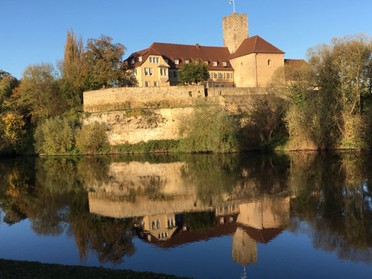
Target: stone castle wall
{"type": "Point", "coordinates": [140, 97]}
{"type": "Point", "coordinates": [114, 99]}
{"type": "Point", "coordinates": [134, 115]}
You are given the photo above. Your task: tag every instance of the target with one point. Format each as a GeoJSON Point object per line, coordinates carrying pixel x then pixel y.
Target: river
{"type": "Point", "coordinates": [296, 215]}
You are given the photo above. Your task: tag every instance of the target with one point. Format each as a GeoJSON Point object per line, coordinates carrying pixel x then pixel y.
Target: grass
{"type": "Point", "coordinates": [32, 270]}
{"type": "Point", "coordinates": [153, 146]}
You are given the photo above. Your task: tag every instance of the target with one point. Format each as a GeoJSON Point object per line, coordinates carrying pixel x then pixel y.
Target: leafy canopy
{"type": "Point", "coordinates": [193, 73]}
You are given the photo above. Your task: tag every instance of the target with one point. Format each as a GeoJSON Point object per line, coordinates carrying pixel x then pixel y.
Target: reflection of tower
{"type": "Point", "coordinates": [244, 275]}
{"type": "Point", "coordinates": [244, 248]}
{"type": "Point", "coordinates": [258, 221]}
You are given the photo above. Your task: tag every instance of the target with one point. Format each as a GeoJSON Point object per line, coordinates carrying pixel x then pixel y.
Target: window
{"type": "Point", "coordinates": [215, 75]}
{"type": "Point", "coordinates": [149, 71]}
{"type": "Point", "coordinates": [147, 84]}
{"type": "Point", "coordinates": [166, 60]}
{"type": "Point", "coordinates": [220, 75]}
{"type": "Point", "coordinates": [268, 62]}
{"type": "Point", "coordinates": [154, 59]}
{"type": "Point", "coordinates": [135, 72]}
{"type": "Point", "coordinates": [163, 72]}
{"type": "Point", "coordinates": [140, 59]}
{"type": "Point", "coordinates": [176, 61]}
{"type": "Point", "coordinates": [187, 61]}
{"type": "Point", "coordinates": [156, 84]}
{"type": "Point", "coordinates": [215, 63]}
{"type": "Point", "coordinates": [206, 62]}
{"type": "Point", "coordinates": [133, 61]}
{"type": "Point", "coordinates": [224, 64]}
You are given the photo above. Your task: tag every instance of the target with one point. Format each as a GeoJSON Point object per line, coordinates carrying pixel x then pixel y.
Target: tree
{"type": "Point", "coordinates": [105, 66]}
{"type": "Point", "coordinates": [329, 107]}
{"type": "Point", "coordinates": [342, 71]}
{"type": "Point", "coordinates": [193, 73]}
{"type": "Point", "coordinates": [209, 129]}
{"type": "Point", "coordinates": [72, 68]}
{"type": "Point", "coordinates": [39, 91]}
{"type": "Point", "coordinates": [7, 84]}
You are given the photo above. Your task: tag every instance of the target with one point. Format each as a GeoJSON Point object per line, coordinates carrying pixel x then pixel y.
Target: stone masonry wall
{"type": "Point", "coordinates": [158, 97]}
{"type": "Point", "coordinates": [139, 97]}
{"type": "Point", "coordinates": [134, 115]}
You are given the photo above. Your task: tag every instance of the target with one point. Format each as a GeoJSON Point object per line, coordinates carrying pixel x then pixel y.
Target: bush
{"type": "Point", "coordinates": [92, 139]}
{"type": "Point", "coordinates": [209, 129]}
{"type": "Point", "coordinates": [55, 136]}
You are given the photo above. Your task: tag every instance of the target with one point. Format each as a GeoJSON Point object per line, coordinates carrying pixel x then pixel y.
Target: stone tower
{"type": "Point", "coordinates": [235, 30]}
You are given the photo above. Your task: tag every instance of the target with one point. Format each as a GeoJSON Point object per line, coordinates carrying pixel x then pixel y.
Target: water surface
{"type": "Point", "coordinates": [300, 215]}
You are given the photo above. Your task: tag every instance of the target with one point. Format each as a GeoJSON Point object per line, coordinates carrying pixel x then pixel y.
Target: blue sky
{"type": "Point", "coordinates": [34, 32]}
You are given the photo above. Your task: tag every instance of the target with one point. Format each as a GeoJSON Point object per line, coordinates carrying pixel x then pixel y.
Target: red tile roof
{"type": "Point", "coordinates": [173, 52]}
{"type": "Point", "coordinates": [255, 45]}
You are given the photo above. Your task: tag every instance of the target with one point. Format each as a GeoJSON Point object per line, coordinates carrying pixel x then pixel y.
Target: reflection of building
{"type": "Point", "coordinates": [258, 221]}
{"type": "Point", "coordinates": [167, 211]}
{"type": "Point", "coordinates": [161, 226]}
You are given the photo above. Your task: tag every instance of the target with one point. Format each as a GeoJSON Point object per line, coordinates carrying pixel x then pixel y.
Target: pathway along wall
{"type": "Point", "coordinates": [134, 114]}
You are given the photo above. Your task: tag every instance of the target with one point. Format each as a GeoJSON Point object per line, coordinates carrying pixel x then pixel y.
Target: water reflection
{"type": "Point", "coordinates": [167, 202]}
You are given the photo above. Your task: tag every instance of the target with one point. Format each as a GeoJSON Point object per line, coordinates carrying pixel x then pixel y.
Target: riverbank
{"type": "Point", "coordinates": [32, 270]}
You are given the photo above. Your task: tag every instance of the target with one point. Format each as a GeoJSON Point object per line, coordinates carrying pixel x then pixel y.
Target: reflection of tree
{"type": "Point", "coordinates": [199, 220]}
{"type": "Point", "coordinates": [93, 170]}
{"type": "Point", "coordinates": [56, 202]}
{"type": "Point", "coordinates": [330, 193]}
{"type": "Point", "coordinates": [110, 238]}
{"type": "Point", "coordinates": [213, 175]}
{"type": "Point", "coordinates": [266, 173]}
{"type": "Point", "coordinates": [15, 184]}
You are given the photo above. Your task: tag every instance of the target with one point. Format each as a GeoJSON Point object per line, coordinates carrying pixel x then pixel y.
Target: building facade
{"type": "Point", "coordinates": [243, 61]}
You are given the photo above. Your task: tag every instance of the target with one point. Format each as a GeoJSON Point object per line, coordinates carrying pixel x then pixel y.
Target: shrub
{"type": "Point", "coordinates": [209, 129]}
{"type": "Point", "coordinates": [92, 139]}
{"type": "Point", "coordinates": [55, 136]}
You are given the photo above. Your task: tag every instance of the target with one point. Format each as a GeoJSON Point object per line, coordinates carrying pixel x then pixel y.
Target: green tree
{"type": "Point", "coordinates": [193, 73]}
{"type": "Point", "coordinates": [209, 129]}
{"type": "Point", "coordinates": [105, 66]}
{"type": "Point", "coordinates": [72, 68]}
{"type": "Point", "coordinates": [92, 139]}
{"type": "Point", "coordinates": [40, 93]}
{"type": "Point", "coordinates": [55, 136]}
